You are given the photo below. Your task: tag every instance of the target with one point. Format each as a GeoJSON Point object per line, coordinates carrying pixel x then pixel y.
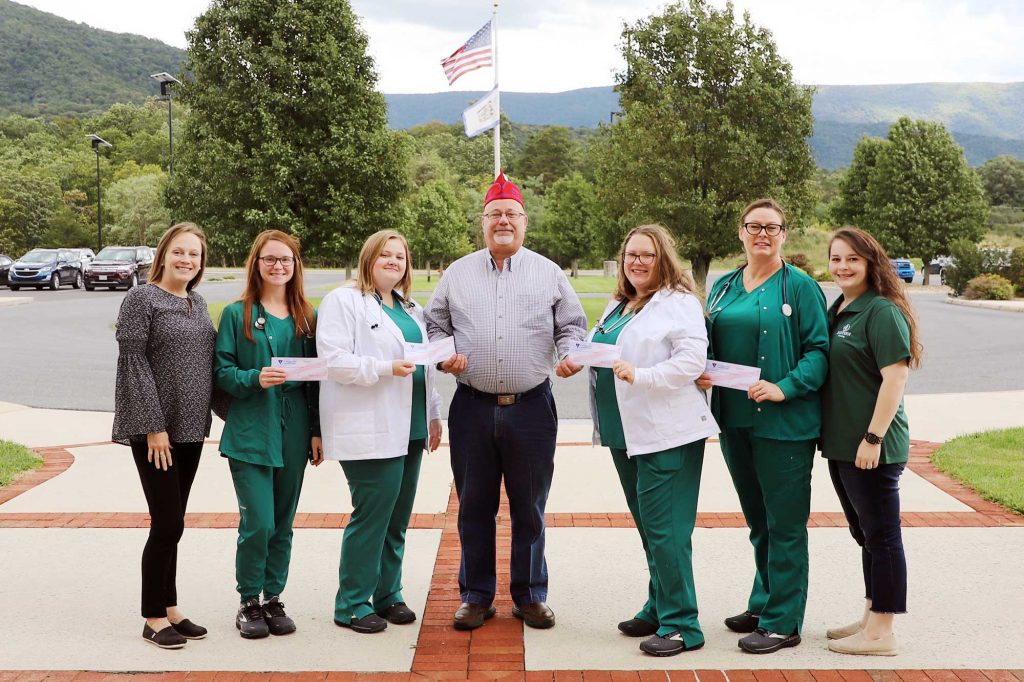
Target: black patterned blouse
{"type": "Point", "coordinates": [164, 366]}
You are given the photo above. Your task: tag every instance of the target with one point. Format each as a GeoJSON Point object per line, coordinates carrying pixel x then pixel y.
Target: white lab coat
{"type": "Point", "coordinates": [365, 411]}
{"type": "Point", "coordinates": [667, 342]}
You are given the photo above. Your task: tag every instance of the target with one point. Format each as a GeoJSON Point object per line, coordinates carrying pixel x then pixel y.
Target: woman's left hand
{"type": "Point", "coordinates": [765, 390]}
{"type": "Point", "coordinates": [868, 455]}
{"type": "Point", "coordinates": [317, 447]}
{"type": "Point", "coordinates": [624, 370]}
{"type": "Point", "coordinates": [435, 434]}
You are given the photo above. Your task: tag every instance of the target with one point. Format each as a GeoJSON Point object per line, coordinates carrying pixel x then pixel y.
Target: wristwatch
{"type": "Point", "coordinates": [872, 439]}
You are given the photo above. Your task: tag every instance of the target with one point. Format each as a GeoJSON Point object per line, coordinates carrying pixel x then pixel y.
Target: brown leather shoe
{"type": "Point", "coordinates": [536, 615]}
{"type": "Point", "coordinates": [471, 616]}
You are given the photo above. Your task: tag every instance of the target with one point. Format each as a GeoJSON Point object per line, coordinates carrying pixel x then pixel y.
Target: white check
{"type": "Point", "coordinates": [430, 353]}
{"type": "Point", "coordinates": [594, 354]}
{"type": "Point", "coordinates": [302, 369]}
{"type": "Point", "coordinates": [729, 375]}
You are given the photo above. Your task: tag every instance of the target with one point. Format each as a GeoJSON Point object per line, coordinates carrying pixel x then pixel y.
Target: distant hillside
{"type": "Point", "coordinates": [52, 66]}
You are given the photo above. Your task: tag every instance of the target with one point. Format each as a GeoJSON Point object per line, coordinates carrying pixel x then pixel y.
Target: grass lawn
{"type": "Point", "coordinates": [991, 462]}
{"type": "Point", "coordinates": [14, 459]}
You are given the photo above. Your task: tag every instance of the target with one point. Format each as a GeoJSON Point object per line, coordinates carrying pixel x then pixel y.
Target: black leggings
{"type": "Point", "coordinates": [167, 494]}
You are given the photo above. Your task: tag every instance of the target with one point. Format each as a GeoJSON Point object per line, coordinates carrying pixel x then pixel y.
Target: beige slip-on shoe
{"type": "Point", "coordinates": [857, 644]}
{"type": "Point", "coordinates": [845, 631]}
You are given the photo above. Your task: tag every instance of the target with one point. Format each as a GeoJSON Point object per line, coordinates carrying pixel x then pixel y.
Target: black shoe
{"type": "Point", "coordinates": [250, 622]}
{"type": "Point", "coordinates": [471, 616]}
{"type": "Point", "coordinates": [536, 615]}
{"type": "Point", "coordinates": [745, 622]}
{"type": "Point", "coordinates": [168, 638]}
{"type": "Point", "coordinates": [365, 625]}
{"type": "Point", "coordinates": [762, 641]}
{"type": "Point", "coordinates": [398, 614]}
{"type": "Point", "coordinates": [277, 620]}
{"type": "Point", "coordinates": [637, 627]}
{"type": "Point", "coordinates": [189, 630]}
{"type": "Point", "coordinates": [669, 645]}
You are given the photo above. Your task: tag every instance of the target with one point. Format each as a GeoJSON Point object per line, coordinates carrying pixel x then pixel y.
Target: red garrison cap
{"type": "Point", "coordinates": [503, 188]}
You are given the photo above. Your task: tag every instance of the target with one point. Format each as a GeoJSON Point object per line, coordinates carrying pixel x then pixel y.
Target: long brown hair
{"type": "Point", "coordinates": [298, 307]}
{"type": "Point", "coordinates": [881, 278]}
{"type": "Point", "coordinates": [668, 271]}
{"type": "Point", "coordinates": [165, 243]}
{"type": "Point", "coordinates": [371, 252]}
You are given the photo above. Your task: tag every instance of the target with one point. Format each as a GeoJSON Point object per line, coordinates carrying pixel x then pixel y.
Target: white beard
{"type": "Point", "coordinates": [504, 240]}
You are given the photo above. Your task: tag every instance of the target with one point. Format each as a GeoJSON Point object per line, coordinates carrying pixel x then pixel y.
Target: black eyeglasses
{"type": "Point", "coordinates": [771, 229]}
{"type": "Point", "coordinates": [271, 261]}
{"type": "Point", "coordinates": [642, 258]}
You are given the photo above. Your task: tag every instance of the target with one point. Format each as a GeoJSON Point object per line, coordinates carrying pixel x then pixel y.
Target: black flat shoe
{"type": "Point", "coordinates": [398, 614]}
{"type": "Point", "coordinates": [744, 622]}
{"type": "Point", "coordinates": [669, 645]}
{"type": "Point", "coordinates": [168, 638]}
{"type": "Point", "coordinates": [189, 630]}
{"type": "Point", "coordinates": [637, 627]}
{"type": "Point", "coordinates": [366, 625]}
{"type": "Point", "coordinates": [762, 641]}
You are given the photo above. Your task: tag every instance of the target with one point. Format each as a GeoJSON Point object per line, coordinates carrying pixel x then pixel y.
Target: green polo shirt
{"type": "Point", "coordinates": [411, 331]}
{"type": "Point", "coordinates": [609, 420]}
{"type": "Point", "coordinates": [869, 334]}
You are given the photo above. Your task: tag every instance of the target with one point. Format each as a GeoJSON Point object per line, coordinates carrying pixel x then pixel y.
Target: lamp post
{"type": "Point", "coordinates": [98, 142]}
{"type": "Point", "coordinates": [166, 80]}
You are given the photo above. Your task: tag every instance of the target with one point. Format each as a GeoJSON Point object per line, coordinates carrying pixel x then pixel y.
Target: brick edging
{"type": "Point", "coordinates": [55, 461]}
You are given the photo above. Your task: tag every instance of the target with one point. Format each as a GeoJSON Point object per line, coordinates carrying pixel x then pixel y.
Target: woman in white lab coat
{"type": "Point", "coordinates": [378, 412]}
{"type": "Point", "coordinates": [653, 418]}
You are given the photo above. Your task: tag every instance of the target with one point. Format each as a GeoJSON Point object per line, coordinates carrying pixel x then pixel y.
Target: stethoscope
{"type": "Point", "coordinates": [261, 321]}
{"type": "Point", "coordinates": [787, 309]}
{"type": "Point", "coordinates": [619, 323]}
{"type": "Point", "coordinates": [408, 305]}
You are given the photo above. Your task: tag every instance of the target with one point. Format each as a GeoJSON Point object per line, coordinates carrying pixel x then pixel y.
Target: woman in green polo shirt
{"type": "Point", "coordinates": [770, 315]}
{"type": "Point", "coordinates": [271, 430]}
{"type": "Point", "coordinates": [873, 344]}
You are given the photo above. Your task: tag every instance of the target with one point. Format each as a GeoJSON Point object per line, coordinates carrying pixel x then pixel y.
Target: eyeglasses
{"type": "Point", "coordinates": [771, 229]}
{"type": "Point", "coordinates": [495, 216]}
{"type": "Point", "coordinates": [271, 261]}
{"type": "Point", "coordinates": [642, 258]}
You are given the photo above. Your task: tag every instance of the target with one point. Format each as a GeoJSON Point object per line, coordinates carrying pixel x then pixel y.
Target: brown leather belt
{"type": "Point", "coordinates": [506, 399]}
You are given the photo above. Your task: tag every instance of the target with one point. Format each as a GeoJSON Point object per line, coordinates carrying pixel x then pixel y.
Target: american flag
{"type": "Point", "coordinates": [475, 54]}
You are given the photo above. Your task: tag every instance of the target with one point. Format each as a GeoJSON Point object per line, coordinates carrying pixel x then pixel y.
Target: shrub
{"type": "Point", "coordinates": [801, 261]}
{"type": "Point", "coordinates": [989, 287]}
{"type": "Point", "coordinates": [823, 276]}
{"type": "Point", "coordinates": [1016, 269]}
{"type": "Point", "coordinates": [970, 260]}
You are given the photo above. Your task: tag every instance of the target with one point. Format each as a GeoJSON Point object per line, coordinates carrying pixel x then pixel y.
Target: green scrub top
{"type": "Point", "coordinates": [869, 334]}
{"type": "Point", "coordinates": [734, 336]}
{"type": "Point", "coordinates": [411, 331]}
{"type": "Point", "coordinates": [258, 417]}
{"type": "Point", "coordinates": [609, 421]}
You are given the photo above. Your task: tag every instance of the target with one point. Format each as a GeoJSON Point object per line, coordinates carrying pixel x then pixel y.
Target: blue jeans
{"type": "Point", "coordinates": [490, 443]}
{"type": "Point", "coordinates": [871, 502]}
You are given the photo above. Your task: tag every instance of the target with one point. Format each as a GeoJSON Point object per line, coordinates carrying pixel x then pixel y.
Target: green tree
{"type": "Point", "coordinates": [1003, 178]}
{"type": "Point", "coordinates": [439, 228]}
{"type": "Point", "coordinates": [852, 202]}
{"type": "Point", "coordinates": [570, 222]}
{"type": "Point", "coordinates": [711, 120]}
{"type": "Point", "coordinates": [286, 129]}
{"type": "Point", "coordinates": [29, 199]}
{"type": "Point", "coordinates": [549, 154]}
{"type": "Point", "coordinates": [136, 208]}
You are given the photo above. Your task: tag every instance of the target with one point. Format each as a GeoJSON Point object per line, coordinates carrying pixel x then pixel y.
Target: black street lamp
{"type": "Point", "coordinates": [98, 142]}
{"type": "Point", "coordinates": [166, 80]}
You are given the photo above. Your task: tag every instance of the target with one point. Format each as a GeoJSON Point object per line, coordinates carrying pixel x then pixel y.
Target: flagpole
{"type": "Point", "coordinates": [497, 128]}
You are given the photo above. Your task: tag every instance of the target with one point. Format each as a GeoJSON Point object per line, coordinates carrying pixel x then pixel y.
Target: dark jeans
{"type": "Point", "coordinates": [166, 494]}
{"type": "Point", "coordinates": [488, 443]}
{"type": "Point", "coordinates": [871, 502]}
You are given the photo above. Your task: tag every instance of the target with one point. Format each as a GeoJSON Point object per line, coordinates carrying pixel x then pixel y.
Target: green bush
{"type": "Point", "coordinates": [823, 276]}
{"type": "Point", "coordinates": [971, 260]}
{"type": "Point", "coordinates": [1016, 270]}
{"type": "Point", "coordinates": [801, 261]}
{"type": "Point", "coordinates": [989, 287]}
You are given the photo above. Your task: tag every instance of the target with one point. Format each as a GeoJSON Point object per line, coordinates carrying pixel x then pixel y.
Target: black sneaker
{"type": "Point", "coordinates": [637, 627]}
{"type": "Point", "coordinates": [744, 622]}
{"type": "Point", "coordinates": [669, 645]}
{"type": "Point", "coordinates": [365, 625]}
{"type": "Point", "coordinates": [277, 620]}
{"type": "Point", "coordinates": [189, 630]}
{"type": "Point", "coordinates": [398, 614]}
{"type": "Point", "coordinates": [762, 641]}
{"type": "Point", "coordinates": [168, 638]}
{"type": "Point", "coordinates": [249, 620]}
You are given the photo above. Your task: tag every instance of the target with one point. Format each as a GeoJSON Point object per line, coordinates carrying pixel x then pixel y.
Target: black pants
{"type": "Point", "coordinates": [166, 494]}
{"type": "Point", "coordinates": [871, 502]}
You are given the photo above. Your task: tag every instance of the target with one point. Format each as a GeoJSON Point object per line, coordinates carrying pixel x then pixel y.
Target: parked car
{"type": "Point", "coordinates": [5, 265]}
{"type": "Point", "coordinates": [85, 256]}
{"type": "Point", "coordinates": [46, 267]}
{"type": "Point", "coordinates": [905, 270]}
{"type": "Point", "coordinates": [938, 267]}
{"type": "Point", "coordinates": [119, 266]}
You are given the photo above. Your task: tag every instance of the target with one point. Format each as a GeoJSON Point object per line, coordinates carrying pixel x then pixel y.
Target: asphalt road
{"type": "Point", "coordinates": [59, 351]}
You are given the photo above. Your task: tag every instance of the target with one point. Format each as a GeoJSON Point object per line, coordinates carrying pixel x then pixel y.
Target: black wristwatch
{"type": "Point", "coordinates": [872, 439]}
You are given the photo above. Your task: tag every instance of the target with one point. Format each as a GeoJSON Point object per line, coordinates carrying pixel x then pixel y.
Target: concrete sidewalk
{"type": "Point", "coordinates": [75, 589]}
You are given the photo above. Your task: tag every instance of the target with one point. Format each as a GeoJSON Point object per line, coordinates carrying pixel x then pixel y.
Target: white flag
{"type": "Point", "coordinates": [483, 115]}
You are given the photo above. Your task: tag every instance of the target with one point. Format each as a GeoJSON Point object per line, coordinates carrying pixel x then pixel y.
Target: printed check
{"type": "Point", "coordinates": [430, 353]}
{"type": "Point", "coordinates": [594, 354]}
{"type": "Point", "coordinates": [302, 369]}
{"type": "Point", "coordinates": [730, 375]}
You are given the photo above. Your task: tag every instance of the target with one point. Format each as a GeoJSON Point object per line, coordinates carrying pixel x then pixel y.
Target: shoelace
{"type": "Point", "coordinates": [251, 611]}
{"type": "Point", "coordinates": [274, 608]}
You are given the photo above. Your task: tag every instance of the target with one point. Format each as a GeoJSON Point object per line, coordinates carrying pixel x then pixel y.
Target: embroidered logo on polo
{"type": "Point", "coordinates": [845, 332]}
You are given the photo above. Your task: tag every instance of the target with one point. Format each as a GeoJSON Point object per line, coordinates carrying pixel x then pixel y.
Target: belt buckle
{"type": "Point", "coordinates": [507, 399]}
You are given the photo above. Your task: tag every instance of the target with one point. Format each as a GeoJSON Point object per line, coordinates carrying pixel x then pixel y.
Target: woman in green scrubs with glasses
{"type": "Point", "coordinates": [770, 315]}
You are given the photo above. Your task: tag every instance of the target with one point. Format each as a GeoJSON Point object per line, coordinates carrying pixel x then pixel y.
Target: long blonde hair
{"type": "Point", "coordinates": [668, 271]}
{"type": "Point", "coordinates": [371, 252]}
{"type": "Point", "coordinates": [298, 307]}
{"type": "Point", "coordinates": [165, 243]}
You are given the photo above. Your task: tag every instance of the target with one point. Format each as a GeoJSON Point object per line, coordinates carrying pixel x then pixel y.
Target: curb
{"type": "Point", "coordinates": [1016, 306]}
{"type": "Point", "coordinates": [7, 302]}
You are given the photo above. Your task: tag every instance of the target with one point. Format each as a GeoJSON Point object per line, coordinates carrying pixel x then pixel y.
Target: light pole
{"type": "Point", "coordinates": [98, 142]}
{"type": "Point", "coordinates": [165, 80]}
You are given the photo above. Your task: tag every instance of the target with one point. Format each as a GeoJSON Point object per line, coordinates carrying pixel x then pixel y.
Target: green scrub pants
{"type": "Point", "coordinates": [773, 481]}
{"type": "Point", "coordinates": [370, 573]}
{"type": "Point", "coordinates": [661, 491]}
{"type": "Point", "coordinates": [267, 499]}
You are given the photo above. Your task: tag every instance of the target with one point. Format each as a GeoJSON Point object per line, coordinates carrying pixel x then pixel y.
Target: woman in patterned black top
{"type": "Point", "coordinates": [162, 410]}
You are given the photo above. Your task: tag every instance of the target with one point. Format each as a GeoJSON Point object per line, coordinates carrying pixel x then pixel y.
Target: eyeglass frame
{"type": "Point", "coordinates": [285, 261]}
{"type": "Point", "coordinates": [765, 229]}
{"type": "Point", "coordinates": [495, 216]}
{"type": "Point", "coordinates": [630, 258]}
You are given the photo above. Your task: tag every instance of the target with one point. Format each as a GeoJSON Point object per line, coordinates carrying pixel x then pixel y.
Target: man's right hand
{"type": "Point", "coordinates": [456, 364]}
{"type": "Point", "coordinates": [401, 368]}
{"type": "Point", "coordinates": [704, 382]}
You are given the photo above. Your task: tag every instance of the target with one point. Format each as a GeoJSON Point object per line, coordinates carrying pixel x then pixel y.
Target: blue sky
{"type": "Point", "coordinates": [550, 46]}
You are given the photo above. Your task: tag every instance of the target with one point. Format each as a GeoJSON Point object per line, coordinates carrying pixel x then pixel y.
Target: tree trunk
{"type": "Point", "coordinates": [699, 266]}
{"type": "Point", "coordinates": [924, 271]}
{"type": "Point", "coordinates": [428, 270]}
{"type": "Point", "coordinates": [348, 271]}
{"type": "Point", "coordinates": [574, 266]}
